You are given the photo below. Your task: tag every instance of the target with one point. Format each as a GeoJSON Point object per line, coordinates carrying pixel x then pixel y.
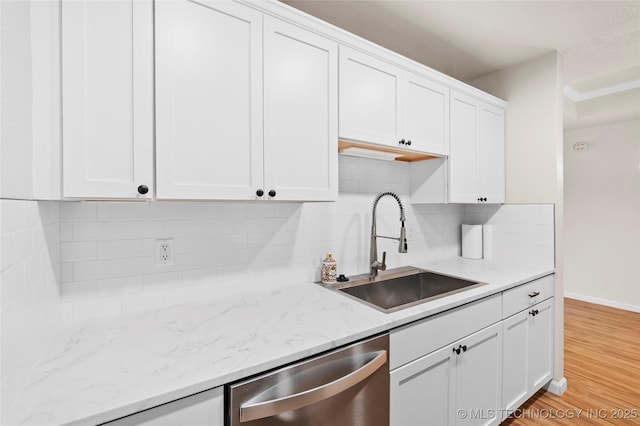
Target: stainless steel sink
{"type": "Point", "coordinates": [401, 288]}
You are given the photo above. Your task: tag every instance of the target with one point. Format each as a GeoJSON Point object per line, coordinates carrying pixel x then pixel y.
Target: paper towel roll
{"type": "Point", "coordinates": [472, 241]}
{"type": "Point", "coordinates": [487, 241]}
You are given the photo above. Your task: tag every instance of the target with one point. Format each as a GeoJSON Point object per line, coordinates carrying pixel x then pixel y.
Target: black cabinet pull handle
{"type": "Point", "coordinates": [259, 192]}
{"type": "Point", "coordinates": [143, 189]}
{"type": "Point", "coordinates": [272, 193]}
{"type": "Point", "coordinates": [534, 294]}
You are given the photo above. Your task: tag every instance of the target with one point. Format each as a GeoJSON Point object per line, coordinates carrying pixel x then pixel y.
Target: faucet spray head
{"type": "Point", "coordinates": [402, 246]}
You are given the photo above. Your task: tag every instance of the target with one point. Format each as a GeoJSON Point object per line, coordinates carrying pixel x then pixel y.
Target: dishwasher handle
{"type": "Point", "coordinates": [274, 407]}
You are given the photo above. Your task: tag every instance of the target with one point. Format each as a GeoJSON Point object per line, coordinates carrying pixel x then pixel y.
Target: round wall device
{"type": "Point", "coordinates": [580, 146]}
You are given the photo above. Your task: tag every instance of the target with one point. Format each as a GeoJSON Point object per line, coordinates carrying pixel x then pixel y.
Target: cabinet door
{"type": "Point", "coordinates": [208, 100]}
{"type": "Point", "coordinates": [370, 100]}
{"type": "Point", "coordinates": [540, 345]}
{"type": "Point", "coordinates": [300, 113]}
{"type": "Point", "coordinates": [491, 154]}
{"type": "Point", "coordinates": [421, 391]}
{"type": "Point", "coordinates": [426, 115]}
{"type": "Point", "coordinates": [478, 379]}
{"type": "Point", "coordinates": [462, 150]}
{"type": "Point", "coordinates": [515, 354]}
{"type": "Point", "coordinates": [203, 409]}
{"type": "Point", "coordinates": [527, 353]}
{"type": "Point", "coordinates": [107, 98]}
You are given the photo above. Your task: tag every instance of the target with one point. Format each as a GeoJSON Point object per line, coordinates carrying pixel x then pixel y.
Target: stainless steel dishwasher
{"type": "Point", "coordinates": [345, 387]}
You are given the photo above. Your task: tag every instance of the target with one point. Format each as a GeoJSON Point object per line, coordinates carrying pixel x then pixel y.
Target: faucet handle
{"type": "Point", "coordinates": [383, 266]}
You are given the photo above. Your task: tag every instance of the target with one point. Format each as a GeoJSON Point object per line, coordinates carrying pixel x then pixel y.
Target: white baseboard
{"type": "Point", "coordinates": [556, 387]}
{"type": "Point", "coordinates": [604, 302]}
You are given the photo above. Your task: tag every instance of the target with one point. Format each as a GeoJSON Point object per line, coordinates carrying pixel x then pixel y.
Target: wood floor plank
{"type": "Point", "coordinates": [602, 368]}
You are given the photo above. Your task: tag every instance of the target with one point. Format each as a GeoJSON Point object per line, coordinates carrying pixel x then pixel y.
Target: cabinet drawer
{"type": "Point", "coordinates": [526, 295]}
{"type": "Point", "coordinates": [415, 340]}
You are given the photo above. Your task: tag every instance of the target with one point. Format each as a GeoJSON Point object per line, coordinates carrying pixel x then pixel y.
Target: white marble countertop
{"type": "Point", "coordinates": [101, 370]}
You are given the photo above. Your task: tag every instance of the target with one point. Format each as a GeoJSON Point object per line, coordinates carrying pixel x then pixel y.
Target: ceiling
{"type": "Point", "coordinates": [600, 42]}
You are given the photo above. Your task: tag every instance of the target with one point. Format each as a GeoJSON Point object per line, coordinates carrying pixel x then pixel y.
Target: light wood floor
{"type": "Point", "coordinates": [602, 368]}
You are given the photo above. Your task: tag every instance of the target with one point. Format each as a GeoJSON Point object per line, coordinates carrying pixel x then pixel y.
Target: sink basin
{"type": "Point", "coordinates": [403, 287]}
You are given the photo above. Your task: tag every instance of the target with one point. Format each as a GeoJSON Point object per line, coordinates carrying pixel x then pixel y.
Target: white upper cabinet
{"type": "Point", "coordinates": [383, 104]}
{"type": "Point", "coordinates": [491, 146]}
{"type": "Point", "coordinates": [426, 115]}
{"type": "Point", "coordinates": [107, 99]}
{"type": "Point", "coordinates": [300, 113]}
{"type": "Point", "coordinates": [208, 100]}
{"type": "Point", "coordinates": [476, 153]}
{"type": "Point", "coordinates": [370, 110]}
{"type": "Point", "coordinates": [244, 112]}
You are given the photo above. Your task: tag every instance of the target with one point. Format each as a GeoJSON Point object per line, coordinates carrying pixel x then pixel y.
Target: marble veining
{"type": "Point", "coordinates": [100, 370]}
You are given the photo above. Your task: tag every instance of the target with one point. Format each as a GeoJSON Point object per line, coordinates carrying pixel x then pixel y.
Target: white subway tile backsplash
{"type": "Point", "coordinates": [78, 212]}
{"type": "Point", "coordinates": [198, 211]}
{"type": "Point", "coordinates": [91, 231]}
{"type": "Point", "coordinates": [220, 246]}
{"type": "Point", "coordinates": [137, 229]}
{"type": "Point", "coordinates": [118, 249]}
{"type": "Point", "coordinates": [119, 211]}
{"type": "Point", "coordinates": [76, 251]}
{"type": "Point", "coordinates": [161, 211]}
{"type": "Point", "coordinates": [96, 269]}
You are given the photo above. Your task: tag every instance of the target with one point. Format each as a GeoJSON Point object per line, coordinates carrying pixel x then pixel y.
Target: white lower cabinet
{"type": "Point", "coordinates": [459, 384]}
{"type": "Point", "coordinates": [527, 353]}
{"type": "Point", "coordinates": [438, 377]}
{"type": "Point", "coordinates": [203, 409]}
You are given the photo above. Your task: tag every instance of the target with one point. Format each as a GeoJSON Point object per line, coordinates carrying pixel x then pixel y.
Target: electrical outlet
{"type": "Point", "coordinates": [164, 252]}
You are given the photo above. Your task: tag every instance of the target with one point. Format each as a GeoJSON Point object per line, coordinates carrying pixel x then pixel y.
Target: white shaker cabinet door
{"type": "Point", "coordinates": [370, 101]}
{"type": "Point", "coordinates": [208, 100]}
{"type": "Point", "coordinates": [540, 346]}
{"type": "Point", "coordinates": [514, 360]}
{"type": "Point", "coordinates": [478, 388]}
{"type": "Point", "coordinates": [421, 391]}
{"type": "Point", "coordinates": [426, 115]}
{"type": "Point", "coordinates": [300, 113]}
{"type": "Point", "coordinates": [527, 353]}
{"type": "Point", "coordinates": [107, 98]}
{"type": "Point", "coordinates": [491, 174]}
{"type": "Point", "coordinates": [462, 151]}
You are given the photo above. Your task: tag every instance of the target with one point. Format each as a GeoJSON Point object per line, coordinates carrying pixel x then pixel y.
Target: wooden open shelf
{"type": "Point", "coordinates": [406, 156]}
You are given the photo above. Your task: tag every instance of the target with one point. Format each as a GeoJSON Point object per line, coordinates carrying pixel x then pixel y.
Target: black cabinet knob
{"type": "Point", "coordinates": [259, 192]}
{"type": "Point", "coordinates": [402, 142]}
{"type": "Point", "coordinates": [143, 189]}
{"type": "Point", "coordinates": [409, 143]}
{"type": "Point", "coordinates": [272, 193]}
{"type": "Point", "coordinates": [534, 312]}
{"type": "Point", "coordinates": [479, 199]}
{"type": "Point", "coordinates": [457, 350]}
{"type": "Point", "coordinates": [464, 348]}
{"type": "Point", "coordinates": [484, 199]}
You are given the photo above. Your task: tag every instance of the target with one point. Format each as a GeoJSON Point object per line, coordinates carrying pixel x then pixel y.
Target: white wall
{"type": "Point", "coordinates": [534, 152]}
{"type": "Point", "coordinates": [602, 214]}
